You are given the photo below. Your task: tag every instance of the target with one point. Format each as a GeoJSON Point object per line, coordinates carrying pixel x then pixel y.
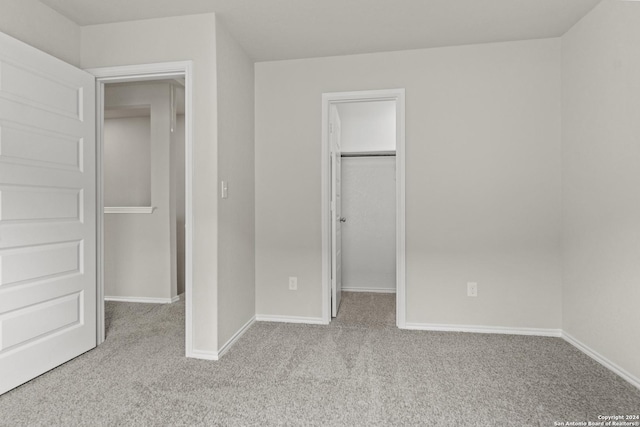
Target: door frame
{"type": "Point", "coordinates": [132, 73]}
{"type": "Point", "coordinates": [397, 95]}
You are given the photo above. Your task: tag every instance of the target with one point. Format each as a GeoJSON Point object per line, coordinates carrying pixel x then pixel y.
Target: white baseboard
{"type": "Point", "coordinates": [635, 381]}
{"type": "Point", "coordinates": [235, 337]}
{"type": "Point", "coordinates": [374, 290]}
{"type": "Point", "coordinates": [203, 354]}
{"type": "Point", "coordinates": [146, 300]}
{"type": "Point", "coordinates": [290, 319]}
{"type": "Point", "coordinates": [483, 329]}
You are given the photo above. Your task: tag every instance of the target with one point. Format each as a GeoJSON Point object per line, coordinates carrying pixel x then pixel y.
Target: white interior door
{"type": "Point", "coordinates": [47, 212]}
{"type": "Point", "coordinates": [336, 211]}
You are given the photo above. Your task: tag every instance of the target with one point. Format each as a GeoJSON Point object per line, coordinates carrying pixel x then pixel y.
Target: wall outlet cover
{"type": "Point", "coordinates": [472, 289]}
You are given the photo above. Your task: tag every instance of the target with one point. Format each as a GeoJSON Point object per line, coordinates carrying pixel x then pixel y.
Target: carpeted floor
{"type": "Point", "coordinates": [359, 371]}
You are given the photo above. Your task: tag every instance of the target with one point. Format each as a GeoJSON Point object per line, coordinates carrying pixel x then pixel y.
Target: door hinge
{"type": "Point", "coordinates": [330, 127]}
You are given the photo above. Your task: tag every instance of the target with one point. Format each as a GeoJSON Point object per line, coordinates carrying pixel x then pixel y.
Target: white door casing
{"type": "Point", "coordinates": [150, 72]}
{"type": "Point", "coordinates": [47, 212]}
{"type": "Point", "coordinates": [336, 211]}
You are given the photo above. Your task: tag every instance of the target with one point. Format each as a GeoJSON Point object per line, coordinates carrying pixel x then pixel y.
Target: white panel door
{"type": "Point", "coordinates": [336, 211]}
{"type": "Point", "coordinates": [47, 213]}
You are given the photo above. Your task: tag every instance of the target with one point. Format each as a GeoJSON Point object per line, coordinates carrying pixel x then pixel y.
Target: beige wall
{"type": "Point", "coordinates": [236, 237]}
{"type": "Point", "coordinates": [601, 153]}
{"type": "Point", "coordinates": [40, 26]}
{"type": "Point", "coordinates": [177, 39]}
{"type": "Point", "coordinates": [482, 179]}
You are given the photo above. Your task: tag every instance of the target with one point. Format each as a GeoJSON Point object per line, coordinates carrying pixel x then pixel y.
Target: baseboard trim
{"type": "Point", "coordinates": [633, 380]}
{"type": "Point", "coordinates": [290, 319]}
{"type": "Point", "coordinates": [203, 354]}
{"type": "Point", "coordinates": [483, 329]}
{"type": "Point", "coordinates": [145, 300]}
{"type": "Point", "coordinates": [374, 290]}
{"type": "Point", "coordinates": [231, 341]}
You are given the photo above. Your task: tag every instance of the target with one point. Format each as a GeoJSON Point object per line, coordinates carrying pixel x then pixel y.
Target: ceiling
{"type": "Point", "coordinates": [288, 29]}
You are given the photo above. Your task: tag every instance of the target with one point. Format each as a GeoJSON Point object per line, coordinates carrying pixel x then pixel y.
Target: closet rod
{"type": "Point", "coordinates": [370, 154]}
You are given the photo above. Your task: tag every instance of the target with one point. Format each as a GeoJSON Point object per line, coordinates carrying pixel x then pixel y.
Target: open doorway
{"type": "Point", "coordinates": [363, 202]}
{"type": "Point", "coordinates": [144, 187]}
{"type": "Point", "coordinates": [143, 159]}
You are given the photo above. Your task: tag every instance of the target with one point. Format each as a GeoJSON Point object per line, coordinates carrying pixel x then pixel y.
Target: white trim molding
{"type": "Point", "coordinates": [141, 72]}
{"type": "Point", "coordinates": [231, 341]}
{"type": "Point", "coordinates": [129, 209]}
{"type": "Point", "coordinates": [328, 99]}
{"type": "Point", "coordinates": [216, 355]}
{"type": "Point", "coordinates": [146, 300]}
{"type": "Point", "coordinates": [203, 354]}
{"type": "Point", "coordinates": [372, 290]}
{"type": "Point", "coordinates": [291, 319]}
{"type": "Point", "coordinates": [632, 379]}
{"type": "Point", "coordinates": [478, 329]}
{"type": "Point", "coordinates": [146, 72]}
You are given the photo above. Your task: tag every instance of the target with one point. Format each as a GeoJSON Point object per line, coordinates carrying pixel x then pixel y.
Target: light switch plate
{"type": "Point", "coordinates": [224, 189]}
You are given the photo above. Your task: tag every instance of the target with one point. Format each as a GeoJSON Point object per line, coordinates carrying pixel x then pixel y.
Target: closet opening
{"type": "Point", "coordinates": [143, 140]}
{"type": "Point", "coordinates": [364, 207]}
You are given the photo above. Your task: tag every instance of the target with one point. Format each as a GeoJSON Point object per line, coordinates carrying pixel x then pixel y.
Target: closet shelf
{"type": "Point", "coordinates": [129, 209]}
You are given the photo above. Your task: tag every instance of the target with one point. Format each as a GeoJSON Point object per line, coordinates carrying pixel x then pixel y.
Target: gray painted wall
{"type": "Point", "coordinates": [483, 179]}
{"type": "Point", "coordinates": [127, 161]}
{"type": "Point", "coordinates": [236, 214]}
{"type": "Point", "coordinates": [40, 26]}
{"type": "Point", "coordinates": [601, 206]}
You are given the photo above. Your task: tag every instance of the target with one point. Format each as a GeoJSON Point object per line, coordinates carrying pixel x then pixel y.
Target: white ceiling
{"type": "Point", "coordinates": [288, 29]}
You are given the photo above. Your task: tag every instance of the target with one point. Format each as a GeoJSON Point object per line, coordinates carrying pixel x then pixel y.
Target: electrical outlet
{"type": "Point", "coordinates": [293, 283]}
{"type": "Point", "coordinates": [472, 289]}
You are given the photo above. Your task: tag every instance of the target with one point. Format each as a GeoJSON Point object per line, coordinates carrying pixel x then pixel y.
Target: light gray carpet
{"type": "Point", "coordinates": [359, 371]}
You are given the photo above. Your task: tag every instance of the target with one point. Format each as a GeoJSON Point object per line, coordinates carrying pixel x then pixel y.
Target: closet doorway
{"type": "Point", "coordinates": [144, 199]}
{"type": "Point", "coordinates": [168, 119]}
{"type": "Point", "coordinates": [363, 197]}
